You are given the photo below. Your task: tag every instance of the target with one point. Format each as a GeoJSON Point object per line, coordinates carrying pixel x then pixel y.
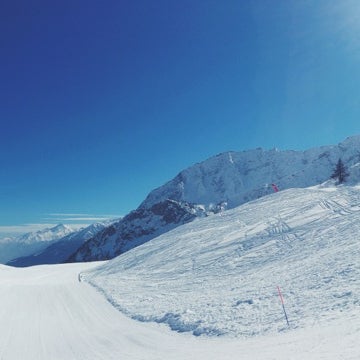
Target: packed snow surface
{"type": "Point", "coordinates": [219, 275]}
{"type": "Point", "coordinates": [46, 313]}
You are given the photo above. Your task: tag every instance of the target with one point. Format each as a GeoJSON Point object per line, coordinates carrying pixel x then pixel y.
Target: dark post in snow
{"type": "Point", "coordinates": [283, 306]}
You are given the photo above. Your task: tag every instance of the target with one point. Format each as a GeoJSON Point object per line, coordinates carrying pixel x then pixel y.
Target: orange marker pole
{"type": "Point", "coordinates": [282, 303]}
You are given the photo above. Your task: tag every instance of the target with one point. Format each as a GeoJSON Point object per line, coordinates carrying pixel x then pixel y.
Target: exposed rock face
{"type": "Point", "coordinates": [139, 226]}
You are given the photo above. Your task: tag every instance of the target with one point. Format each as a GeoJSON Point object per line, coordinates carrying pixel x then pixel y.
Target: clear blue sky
{"type": "Point", "coordinates": [101, 101]}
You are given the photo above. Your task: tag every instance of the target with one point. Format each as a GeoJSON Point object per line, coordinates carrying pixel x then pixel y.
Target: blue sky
{"type": "Point", "coordinates": [103, 101]}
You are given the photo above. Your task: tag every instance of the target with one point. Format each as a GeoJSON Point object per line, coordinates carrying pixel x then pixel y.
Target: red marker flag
{"type": "Point", "coordinates": [276, 189]}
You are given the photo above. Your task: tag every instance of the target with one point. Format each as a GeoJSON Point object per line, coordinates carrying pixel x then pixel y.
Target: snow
{"type": "Point", "coordinates": [219, 275]}
{"type": "Point", "coordinates": [215, 277]}
{"type": "Point", "coordinates": [47, 314]}
{"type": "Point", "coordinates": [237, 177]}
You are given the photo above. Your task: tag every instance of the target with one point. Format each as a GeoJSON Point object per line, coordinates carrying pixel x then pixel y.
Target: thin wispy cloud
{"type": "Point", "coordinates": [91, 219]}
{"type": "Point", "coordinates": [69, 214]}
{"type": "Point", "coordinates": [88, 218]}
{"type": "Point", "coordinates": [76, 217]}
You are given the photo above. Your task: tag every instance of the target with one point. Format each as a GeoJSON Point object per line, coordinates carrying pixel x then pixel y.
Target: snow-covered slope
{"type": "Point", "coordinates": [59, 251]}
{"type": "Point", "coordinates": [219, 275]}
{"type": "Point", "coordinates": [231, 178]}
{"type": "Point", "coordinates": [31, 242]}
{"type": "Point", "coordinates": [46, 313]}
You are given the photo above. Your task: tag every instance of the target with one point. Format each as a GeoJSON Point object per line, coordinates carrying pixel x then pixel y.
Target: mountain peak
{"type": "Point", "coordinates": [61, 227]}
{"type": "Point", "coordinates": [237, 177]}
{"type": "Point", "coordinates": [231, 178]}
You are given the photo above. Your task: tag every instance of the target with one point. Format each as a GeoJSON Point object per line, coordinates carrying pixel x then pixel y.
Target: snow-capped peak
{"type": "Point", "coordinates": [231, 178]}
{"type": "Point", "coordinates": [32, 242]}
{"type": "Point", "coordinates": [59, 251]}
{"type": "Point", "coordinates": [237, 177]}
{"type": "Point", "coordinates": [47, 234]}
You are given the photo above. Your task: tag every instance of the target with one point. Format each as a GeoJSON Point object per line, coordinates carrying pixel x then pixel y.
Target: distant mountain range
{"type": "Point", "coordinates": [32, 242]}
{"type": "Point", "coordinates": [59, 250]}
{"type": "Point", "coordinates": [223, 181]}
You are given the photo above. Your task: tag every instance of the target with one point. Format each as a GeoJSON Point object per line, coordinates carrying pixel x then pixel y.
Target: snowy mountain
{"type": "Point", "coordinates": [59, 251]}
{"type": "Point", "coordinates": [31, 242]}
{"type": "Point", "coordinates": [238, 177]}
{"type": "Point", "coordinates": [219, 275]}
{"type": "Point", "coordinates": [231, 178]}
{"type": "Point", "coordinates": [135, 229]}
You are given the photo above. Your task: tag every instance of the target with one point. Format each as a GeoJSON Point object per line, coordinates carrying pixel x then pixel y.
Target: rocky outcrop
{"type": "Point", "coordinates": [136, 228]}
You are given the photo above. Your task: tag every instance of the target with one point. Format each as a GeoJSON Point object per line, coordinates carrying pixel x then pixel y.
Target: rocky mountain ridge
{"type": "Point", "coordinates": [226, 180]}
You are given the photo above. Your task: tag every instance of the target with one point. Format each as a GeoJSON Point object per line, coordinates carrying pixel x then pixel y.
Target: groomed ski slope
{"type": "Point", "coordinates": [215, 276]}
{"type": "Point", "coordinates": [46, 314]}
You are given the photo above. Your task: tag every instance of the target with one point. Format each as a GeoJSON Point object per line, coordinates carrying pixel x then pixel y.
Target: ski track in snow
{"type": "Point", "coordinates": [47, 314]}
{"type": "Point", "coordinates": [218, 276]}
